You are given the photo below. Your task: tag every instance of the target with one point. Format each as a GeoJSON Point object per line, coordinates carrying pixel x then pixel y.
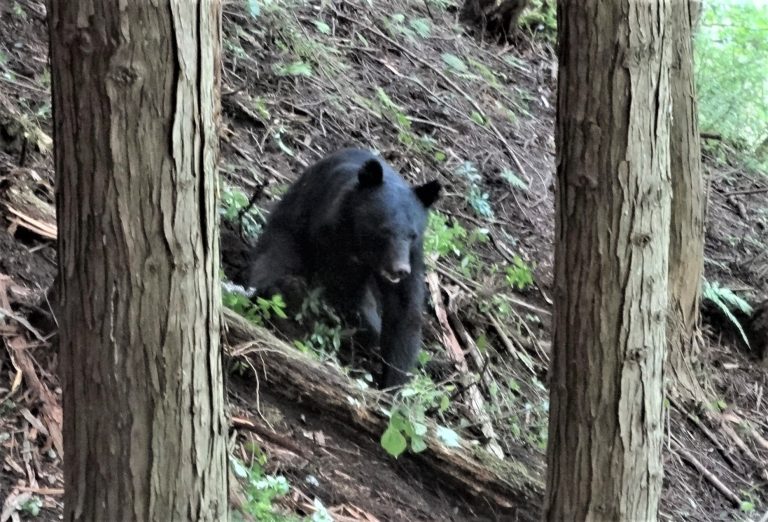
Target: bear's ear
{"type": "Point", "coordinates": [428, 193]}
{"type": "Point", "coordinates": [371, 174]}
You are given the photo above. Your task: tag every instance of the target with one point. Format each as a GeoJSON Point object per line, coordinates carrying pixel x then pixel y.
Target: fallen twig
{"type": "Point", "coordinates": [50, 409]}
{"type": "Point", "coordinates": [711, 436]}
{"type": "Point", "coordinates": [476, 402]}
{"type": "Point", "coordinates": [274, 438]}
{"type": "Point", "coordinates": [711, 478]}
{"type": "Point", "coordinates": [508, 344]}
{"type": "Point", "coordinates": [19, 319]}
{"type": "Point", "coordinates": [747, 191]}
{"type": "Point", "coordinates": [51, 492]}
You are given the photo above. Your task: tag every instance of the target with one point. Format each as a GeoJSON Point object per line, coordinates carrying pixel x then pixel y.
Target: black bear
{"type": "Point", "coordinates": [352, 225]}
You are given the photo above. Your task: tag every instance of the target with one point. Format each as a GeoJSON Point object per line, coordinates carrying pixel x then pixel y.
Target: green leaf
{"type": "Point", "coordinates": [297, 68]}
{"type": "Point", "coordinates": [440, 156]}
{"type": "Point", "coordinates": [393, 442]}
{"type": "Point", "coordinates": [747, 506]}
{"type": "Point", "coordinates": [722, 298]}
{"type": "Point", "coordinates": [421, 26]}
{"type": "Point", "coordinates": [322, 27]}
{"type": "Point", "coordinates": [419, 429]}
{"type": "Point", "coordinates": [285, 148]}
{"type": "Point", "coordinates": [514, 181]}
{"type": "Point", "coordinates": [32, 506]}
{"type": "Point", "coordinates": [454, 62]}
{"type": "Point", "coordinates": [253, 8]}
{"type": "Point", "coordinates": [448, 437]}
{"type": "Point", "coordinates": [477, 118]}
{"type": "Point", "coordinates": [417, 444]}
{"type": "Point", "coordinates": [237, 468]}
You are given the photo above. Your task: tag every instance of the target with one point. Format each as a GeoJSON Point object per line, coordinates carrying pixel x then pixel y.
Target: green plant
{"type": "Point", "coordinates": [514, 180]}
{"type": "Point", "coordinates": [261, 491]}
{"type": "Point", "coordinates": [454, 63]}
{"type": "Point", "coordinates": [327, 331]}
{"type": "Point", "coordinates": [407, 420]}
{"type": "Point", "coordinates": [396, 25]}
{"type": "Point", "coordinates": [541, 16]}
{"type": "Point", "coordinates": [32, 506]}
{"type": "Point", "coordinates": [260, 106]}
{"type": "Point", "coordinates": [421, 26]}
{"type": "Point", "coordinates": [442, 239]}
{"type": "Point", "coordinates": [731, 57]}
{"type": "Point", "coordinates": [519, 275]}
{"type": "Point", "coordinates": [19, 12]}
{"type": "Point", "coordinates": [727, 302]}
{"type": "Point", "coordinates": [322, 27]}
{"type": "Point", "coordinates": [395, 114]}
{"type": "Point", "coordinates": [476, 197]}
{"type": "Point", "coordinates": [295, 68]}
{"type": "Point", "coordinates": [234, 205]}
{"type": "Point", "coordinates": [257, 312]}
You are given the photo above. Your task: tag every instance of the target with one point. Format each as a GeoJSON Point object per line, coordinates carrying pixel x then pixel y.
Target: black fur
{"type": "Point", "coordinates": [352, 225]}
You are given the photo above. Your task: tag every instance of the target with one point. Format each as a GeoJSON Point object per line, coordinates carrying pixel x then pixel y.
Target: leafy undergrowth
{"type": "Point", "coordinates": [302, 79]}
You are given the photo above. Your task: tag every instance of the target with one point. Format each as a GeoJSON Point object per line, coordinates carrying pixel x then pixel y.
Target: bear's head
{"type": "Point", "coordinates": [388, 220]}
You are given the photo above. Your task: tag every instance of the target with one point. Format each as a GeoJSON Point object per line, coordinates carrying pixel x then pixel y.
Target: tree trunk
{"type": "Point", "coordinates": [612, 236]}
{"type": "Point", "coordinates": [498, 490]}
{"type": "Point", "coordinates": [135, 98]}
{"type": "Point", "coordinates": [686, 240]}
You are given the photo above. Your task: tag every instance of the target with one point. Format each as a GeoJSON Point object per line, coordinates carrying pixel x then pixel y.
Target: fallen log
{"type": "Point", "coordinates": [505, 489]}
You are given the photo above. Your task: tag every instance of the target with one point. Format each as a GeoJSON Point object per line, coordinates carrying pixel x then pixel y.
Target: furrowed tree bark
{"type": "Point", "coordinates": [686, 240]}
{"type": "Point", "coordinates": [611, 242]}
{"type": "Point", "coordinates": [135, 98]}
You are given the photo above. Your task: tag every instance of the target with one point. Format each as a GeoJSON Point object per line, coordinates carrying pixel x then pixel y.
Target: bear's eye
{"type": "Point", "coordinates": [412, 236]}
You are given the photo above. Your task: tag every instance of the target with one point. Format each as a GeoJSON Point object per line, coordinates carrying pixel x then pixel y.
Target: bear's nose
{"type": "Point", "coordinates": [401, 271]}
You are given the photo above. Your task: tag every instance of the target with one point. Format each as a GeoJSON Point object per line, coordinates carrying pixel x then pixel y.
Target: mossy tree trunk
{"type": "Point", "coordinates": [135, 98]}
{"type": "Point", "coordinates": [611, 261]}
{"type": "Point", "coordinates": [686, 241]}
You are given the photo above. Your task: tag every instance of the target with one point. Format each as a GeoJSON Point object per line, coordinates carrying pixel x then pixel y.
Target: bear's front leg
{"type": "Point", "coordinates": [401, 328]}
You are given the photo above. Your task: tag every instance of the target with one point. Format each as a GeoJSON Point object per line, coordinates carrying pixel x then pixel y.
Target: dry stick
{"type": "Point", "coordinates": [485, 427]}
{"type": "Point", "coordinates": [508, 344]}
{"type": "Point", "coordinates": [476, 402]}
{"type": "Point", "coordinates": [718, 485]}
{"type": "Point", "coordinates": [274, 438]}
{"type": "Point", "coordinates": [50, 409]}
{"type": "Point", "coordinates": [707, 433]}
{"type": "Point", "coordinates": [50, 492]}
{"type": "Point", "coordinates": [19, 319]}
{"type": "Point", "coordinates": [496, 322]}
{"type": "Point", "coordinates": [747, 191]}
{"type": "Point", "coordinates": [728, 429]}
{"type": "Point", "coordinates": [759, 440]}
{"type": "Point", "coordinates": [454, 86]}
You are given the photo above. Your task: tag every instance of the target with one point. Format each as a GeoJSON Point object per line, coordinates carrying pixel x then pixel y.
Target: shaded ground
{"type": "Point", "coordinates": [302, 81]}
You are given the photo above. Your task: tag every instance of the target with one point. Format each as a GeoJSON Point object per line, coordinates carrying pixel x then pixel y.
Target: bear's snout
{"type": "Point", "coordinates": [398, 272]}
{"type": "Point", "coordinates": [397, 264]}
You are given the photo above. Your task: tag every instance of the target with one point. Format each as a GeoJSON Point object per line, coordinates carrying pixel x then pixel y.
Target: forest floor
{"type": "Point", "coordinates": [302, 79]}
